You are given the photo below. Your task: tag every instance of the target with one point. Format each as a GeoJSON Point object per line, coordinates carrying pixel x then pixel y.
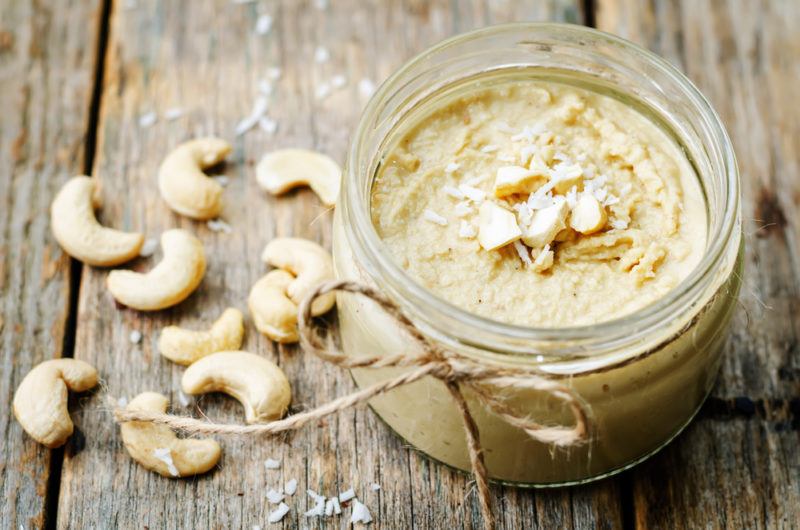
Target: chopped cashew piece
{"type": "Point", "coordinates": [257, 383]}
{"type": "Point", "coordinates": [157, 448]}
{"type": "Point", "coordinates": [308, 262]}
{"type": "Point", "coordinates": [185, 346]}
{"type": "Point", "coordinates": [588, 216]}
{"type": "Point", "coordinates": [40, 402]}
{"type": "Point", "coordinates": [168, 283]}
{"type": "Point", "coordinates": [182, 183]}
{"type": "Point", "coordinates": [80, 235]}
{"type": "Point", "coordinates": [496, 226]}
{"type": "Point", "coordinates": [515, 179]}
{"type": "Point", "coordinates": [546, 224]}
{"type": "Point", "coordinates": [274, 313]}
{"type": "Point", "coordinates": [282, 170]}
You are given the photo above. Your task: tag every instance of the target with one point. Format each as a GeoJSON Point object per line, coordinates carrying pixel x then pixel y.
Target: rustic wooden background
{"type": "Point", "coordinates": [75, 77]}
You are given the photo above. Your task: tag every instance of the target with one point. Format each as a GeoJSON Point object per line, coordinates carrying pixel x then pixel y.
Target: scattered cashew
{"type": "Point", "coordinates": [282, 170]}
{"type": "Point", "coordinates": [184, 186]}
{"type": "Point", "coordinates": [258, 384]}
{"type": "Point", "coordinates": [40, 403]}
{"type": "Point", "coordinates": [309, 262]}
{"type": "Point", "coordinates": [274, 313]}
{"type": "Point", "coordinates": [157, 448]}
{"type": "Point", "coordinates": [185, 346]}
{"type": "Point", "coordinates": [80, 235]}
{"type": "Point", "coordinates": [168, 283]}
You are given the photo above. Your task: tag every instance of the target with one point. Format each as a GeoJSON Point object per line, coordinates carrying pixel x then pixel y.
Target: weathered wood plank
{"type": "Point", "coordinates": [47, 56]}
{"type": "Point", "coordinates": [207, 59]}
{"type": "Point", "coordinates": [738, 465]}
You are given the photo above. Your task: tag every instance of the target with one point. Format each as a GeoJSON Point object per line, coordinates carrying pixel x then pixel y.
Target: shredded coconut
{"type": "Point", "coordinates": [472, 193]}
{"type": "Point", "coordinates": [271, 463]}
{"type": "Point", "coordinates": [122, 402]}
{"type": "Point", "coordinates": [321, 55]}
{"type": "Point", "coordinates": [375, 486]}
{"type": "Point", "coordinates": [329, 507]}
{"type": "Point", "coordinates": [290, 487]}
{"type": "Point", "coordinates": [323, 90]}
{"type": "Point", "coordinates": [222, 180]}
{"type": "Point", "coordinates": [619, 224]}
{"type": "Point", "coordinates": [263, 24]}
{"type": "Point", "coordinates": [183, 399]}
{"type": "Point", "coordinates": [466, 230]}
{"type": "Point", "coordinates": [366, 87]}
{"type": "Point", "coordinates": [462, 209]}
{"type": "Point", "coordinates": [274, 73]}
{"type": "Point", "coordinates": [165, 455]}
{"type": "Point", "coordinates": [135, 336]}
{"type": "Point", "coordinates": [318, 510]}
{"type": "Point", "coordinates": [522, 250]}
{"type": "Point", "coordinates": [561, 156]}
{"type": "Point", "coordinates": [247, 123]}
{"type": "Point", "coordinates": [173, 113]}
{"type": "Point", "coordinates": [504, 127]}
{"type": "Point", "coordinates": [489, 148]}
{"type": "Point", "coordinates": [360, 513]}
{"type": "Point", "coordinates": [528, 133]}
{"type": "Point", "coordinates": [453, 192]}
{"type": "Point", "coordinates": [451, 167]}
{"type": "Point", "coordinates": [347, 495]}
{"type": "Point", "coordinates": [572, 197]}
{"type": "Point", "coordinates": [506, 158]}
{"type": "Point", "coordinates": [474, 181]}
{"type": "Point", "coordinates": [148, 247]}
{"type": "Point", "coordinates": [265, 87]}
{"type": "Point", "coordinates": [274, 497]}
{"type": "Point", "coordinates": [337, 509]}
{"type": "Point", "coordinates": [268, 125]}
{"type": "Point", "coordinates": [218, 225]}
{"type": "Point", "coordinates": [147, 119]}
{"type": "Point", "coordinates": [279, 513]}
{"type": "Point", "coordinates": [338, 81]}
{"type": "Point", "coordinates": [433, 217]}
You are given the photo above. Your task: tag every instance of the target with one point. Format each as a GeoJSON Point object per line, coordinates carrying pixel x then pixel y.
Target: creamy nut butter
{"type": "Point", "coordinates": [540, 217]}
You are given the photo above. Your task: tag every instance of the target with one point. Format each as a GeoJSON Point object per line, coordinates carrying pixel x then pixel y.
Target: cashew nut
{"type": "Point", "coordinates": [157, 448]}
{"type": "Point", "coordinates": [168, 283]}
{"type": "Point", "coordinates": [40, 403]}
{"type": "Point", "coordinates": [184, 186]}
{"type": "Point", "coordinates": [184, 346]}
{"type": "Point", "coordinates": [282, 170]}
{"type": "Point", "coordinates": [80, 235]}
{"type": "Point", "coordinates": [258, 384]}
{"type": "Point", "coordinates": [274, 313]}
{"type": "Point", "coordinates": [309, 262]}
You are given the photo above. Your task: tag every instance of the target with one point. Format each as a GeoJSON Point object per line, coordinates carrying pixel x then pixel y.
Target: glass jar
{"type": "Point", "coordinates": [643, 376]}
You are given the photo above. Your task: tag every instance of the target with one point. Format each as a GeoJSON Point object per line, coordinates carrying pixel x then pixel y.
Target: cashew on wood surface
{"type": "Point", "coordinates": [170, 282]}
{"type": "Point", "coordinates": [157, 448]}
{"type": "Point", "coordinates": [80, 235]}
{"type": "Point", "coordinates": [257, 383]}
{"type": "Point", "coordinates": [40, 403]}
{"type": "Point", "coordinates": [279, 171]}
{"type": "Point", "coordinates": [182, 183]}
{"type": "Point", "coordinates": [185, 346]}
{"type": "Point", "coordinates": [274, 300]}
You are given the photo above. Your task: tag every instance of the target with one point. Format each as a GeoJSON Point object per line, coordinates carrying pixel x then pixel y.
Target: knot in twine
{"type": "Point", "coordinates": [456, 371]}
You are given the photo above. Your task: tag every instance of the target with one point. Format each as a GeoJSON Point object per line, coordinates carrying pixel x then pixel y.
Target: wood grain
{"type": "Point", "coordinates": [738, 465]}
{"type": "Point", "coordinates": [206, 58]}
{"type": "Point", "coordinates": [47, 56]}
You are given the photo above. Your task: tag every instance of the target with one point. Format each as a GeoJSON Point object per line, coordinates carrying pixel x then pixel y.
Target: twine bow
{"type": "Point", "coordinates": [456, 371]}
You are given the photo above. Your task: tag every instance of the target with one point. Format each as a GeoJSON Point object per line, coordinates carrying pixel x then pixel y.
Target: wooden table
{"type": "Point", "coordinates": [76, 76]}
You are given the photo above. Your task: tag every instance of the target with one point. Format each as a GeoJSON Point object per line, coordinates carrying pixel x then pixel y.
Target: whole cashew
{"type": "Point", "coordinates": [168, 283]}
{"type": "Point", "coordinates": [184, 186]}
{"type": "Point", "coordinates": [282, 170]}
{"type": "Point", "coordinates": [157, 448]}
{"type": "Point", "coordinates": [274, 313]}
{"type": "Point", "coordinates": [80, 235]}
{"type": "Point", "coordinates": [258, 384]}
{"type": "Point", "coordinates": [309, 262]}
{"type": "Point", "coordinates": [40, 403]}
{"type": "Point", "coordinates": [184, 346]}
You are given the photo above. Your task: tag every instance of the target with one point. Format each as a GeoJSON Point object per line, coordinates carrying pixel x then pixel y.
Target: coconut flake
{"type": "Point", "coordinates": [268, 125]}
{"type": "Point", "coordinates": [472, 193]}
{"type": "Point", "coordinates": [360, 513]}
{"type": "Point", "coordinates": [148, 247]}
{"type": "Point", "coordinates": [259, 108]}
{"type": "Point", "coordinates": [173, 113]}
{"type": "Point", "coordinates": [337, 509]}
{"type": "Point", "coordinates": [619, 224]}
{"type": "Point", "coordinates": [507, 158]}
{"type": "Point", "coordinates": [466, 230]}
{"type": "Point", "coordinates": [274, 73]}
{"type": "Point", "coordinates": [375, 486]}
{"type": "Point", "coordinates": [274, 497]}
{"type": "Point", "coordinates": [323, 90]}
{"type": "Point", "coordinates": [366, 87]}
{"type": "Point", "coordinates": [183, 399]}
{"type": "Point", "coordinates": [462, 209]}
{"type": "Point", "coordinates": [347, 495]}
{"type": "Point", "coordinates": [528, 133]}
{"type": "Point", "coordinates": [338, 81]}
{"type": "Point", "coordinates": [135, 337]}
{"type": "Point", "coordinates": [271, 463]}
{"type": "Point", "coordinates": [318, 510]}
{"type": "Point", "coordinates": [122, 402]}
{"type": "Point", "coordinates": [321, 55]}
{"type": "Point", "coordinates": [222, 180]}
{"type": "Point", "coordinates": [451, 167]}
{"type": "Point", "coordinates": [265, 87]}
{"type": "Point", "coordinates": [504, 127]}
{"type": "Point", "coordinates": [329, 507]}
{"type": "Point", "coordinates": [453, 192]}
{"type": "Point", "coordinates": [147, 119]}
{"type": "Point", "coordinates": [290, 487]}
{"type": "Point", "coordinates": [218, 225]}
{"type": "Point", "coordinates": [279, 513]}
{"type": "Point", "coordinates": [522, 250]}
{"type": "Point", "coordinates": [165, 455]}
{"type": "Point", "coordinates": [433, 217]}
{"type": "Point", "coordinates": [489, 148]}
{"type": "Point", "coordinates": [263, 24]}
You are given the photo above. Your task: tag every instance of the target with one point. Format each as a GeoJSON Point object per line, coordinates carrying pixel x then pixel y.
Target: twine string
{"type": "Point", "coordinates": [456, 371]}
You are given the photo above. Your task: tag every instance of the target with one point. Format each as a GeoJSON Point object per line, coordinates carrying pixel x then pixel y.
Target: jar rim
{"type": "Point", "coordinates": [456, 325]}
